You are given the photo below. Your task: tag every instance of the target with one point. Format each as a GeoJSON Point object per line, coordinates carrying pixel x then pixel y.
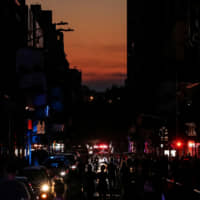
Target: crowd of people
{"type": "Point", "coordinates": [121, 177]}
{"type": "Point", "coordinates": [139, 178]}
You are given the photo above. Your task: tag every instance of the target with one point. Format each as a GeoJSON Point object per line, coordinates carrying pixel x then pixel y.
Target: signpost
{"type": "Point", "coordinates": [29, 133]}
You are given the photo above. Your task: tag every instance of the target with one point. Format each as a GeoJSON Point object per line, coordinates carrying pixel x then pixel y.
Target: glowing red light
{"type": "Point", "coordinates": [179, 144]}
{"type": "Point", "coordinates": [103, 146]}
{"type": "Point", "coordinates": [30, 124]}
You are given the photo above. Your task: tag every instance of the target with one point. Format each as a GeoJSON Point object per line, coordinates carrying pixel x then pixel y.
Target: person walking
{"type": "Point", "coordinates": [102, 186]}
{"type": "Point", "coordinates": [112, 176]}
{"type": "Point", "coordinates": [74, 184]}
{"type": "Point", "coordinates": [89, 183]}
{"type": "Point", "coordinates": [59, 190]}
{"type": "Point", "coordinates": [124, 174]}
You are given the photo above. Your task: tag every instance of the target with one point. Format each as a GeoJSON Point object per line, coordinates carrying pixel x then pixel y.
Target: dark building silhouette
{"type": "Point", "coordinates": [161, 45]}
{"type": "Point", "coordinates": [150, 50]}
{"type": "Point", "coordinates": [163, 52]}
{"type": "Point", "coordinates": [33, 67]}
{"type": "Point", "coordinates": [12, 37]}
{"type": "Point", "coordinates": [63, 83]}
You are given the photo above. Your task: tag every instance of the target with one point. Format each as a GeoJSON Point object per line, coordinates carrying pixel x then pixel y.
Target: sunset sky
{"type": "Point", "coordinates": [97, 47]}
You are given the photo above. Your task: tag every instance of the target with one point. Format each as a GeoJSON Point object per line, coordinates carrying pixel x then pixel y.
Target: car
{"type": "Point", "coordinates": [70, 156]}
{"type": "Point", "coordinates": [40, 180]}
{"type": "Point", "coordinates": [81, 151]}
{"type": "Point", "coordinates": [28, 186]}
{"type": "Point", "coordinates": [14, 189]}
{"type": "Point", "coordinates": [60, 164]}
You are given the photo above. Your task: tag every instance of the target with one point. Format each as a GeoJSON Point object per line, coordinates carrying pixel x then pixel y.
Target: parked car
{"type": "Point", "coordinates": [40, 180]}
{"type": "Point", "coordinates": [14, 189]}
{"type": "Point", "coordinates": [28, 185]}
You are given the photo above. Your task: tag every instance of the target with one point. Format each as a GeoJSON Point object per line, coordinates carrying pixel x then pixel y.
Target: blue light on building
{"type": "Point", "coordinates": [47, 111]}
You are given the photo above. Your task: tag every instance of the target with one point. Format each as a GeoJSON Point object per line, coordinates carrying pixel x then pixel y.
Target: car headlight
{"type": "Point", "coordinates": [62, 173]}
{"type": "Point", "coordinates": [73, 167]}
{"type": "Point", "coordinates": [101, 160]}
{"type": "Point", "coordinates": [45, 188]}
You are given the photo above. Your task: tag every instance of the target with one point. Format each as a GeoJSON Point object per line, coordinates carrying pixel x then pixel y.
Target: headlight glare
{"type": "Point", "coordinates": [73, 167]}
{"type": "Point", "coordinates": [62, 173]}
{"type": "Point", "coordinates": [45, 187]}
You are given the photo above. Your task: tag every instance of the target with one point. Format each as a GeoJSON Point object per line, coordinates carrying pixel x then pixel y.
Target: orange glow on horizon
{"type": "Point", "coordinates": [97, 47]}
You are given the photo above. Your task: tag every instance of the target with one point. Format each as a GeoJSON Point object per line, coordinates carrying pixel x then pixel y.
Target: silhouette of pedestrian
{"type": "Point", "coordinates": [89, 185]}
{"type": "Point", "coordinates": [112, 176]}
{"type": "Point", "coordinates": [124, 173]}
{"type": "Point", "coordinates": [96, 163]}
{"type": "Point", "coordinates": [59, 190]}
{"type": "Point", "coordinates": [102, 186]}
{"type": "Point", "coordinates": [140, 180]}
{"type": "Point", "coordinates": [74, 185]}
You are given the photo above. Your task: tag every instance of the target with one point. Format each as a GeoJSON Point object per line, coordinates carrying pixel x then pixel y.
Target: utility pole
{"type": "Point", "coordinates": [62, 23]}
{"type": "Point", "coordinates": [62, 29]}
{"type": "Point", "coordinates": [34, 38]}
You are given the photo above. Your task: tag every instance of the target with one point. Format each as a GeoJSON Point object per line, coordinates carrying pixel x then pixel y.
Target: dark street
{"type": "Point", "coordinates": [100, 100]}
